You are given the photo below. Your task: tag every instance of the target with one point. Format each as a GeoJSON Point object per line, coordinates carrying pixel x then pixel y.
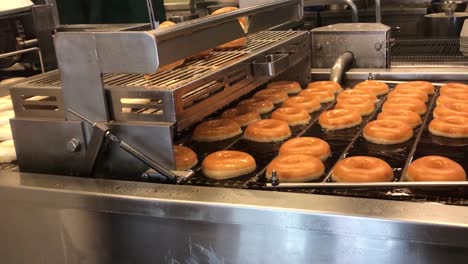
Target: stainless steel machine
{"type": "Point", "coordinates": [78, 196]}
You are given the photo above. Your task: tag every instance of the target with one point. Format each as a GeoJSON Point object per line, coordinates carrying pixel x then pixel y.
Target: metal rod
{"type": "Point", "coordinates": [23, 51]}
{"type": "Point", "coordinates": [378, 12]}
{"type": "Point", "coordinates": [341, 65]}
{"type": "Point", "coordinates": [82, 117]}
{"type": "Point", "coordinates": [354, 10]}
{"type": "Point", "coordinates": [363, 185]}
{"type": "Point", "coordinates": [152, 18]}
{"type": "Point", "coordinates": [398, 82]}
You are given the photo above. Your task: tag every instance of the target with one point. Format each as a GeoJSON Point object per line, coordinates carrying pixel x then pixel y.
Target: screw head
{"type": "Point", "coordinates": [378, 46]}
{"type": "Point", "coordinates": [73, 145]}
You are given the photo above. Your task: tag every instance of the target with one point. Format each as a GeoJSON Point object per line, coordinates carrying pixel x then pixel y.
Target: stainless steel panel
{"type": "Point", "coordinates": [102, 221]}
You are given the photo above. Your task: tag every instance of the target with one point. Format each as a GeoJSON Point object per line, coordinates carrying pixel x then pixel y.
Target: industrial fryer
{"type": "Point", "coordinates": [77, 195]}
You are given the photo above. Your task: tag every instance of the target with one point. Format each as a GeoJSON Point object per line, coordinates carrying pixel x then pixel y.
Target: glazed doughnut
{"type": "Point", "coordinates": [296, 168]}
{"type": "Point", "coordinates": [406, 116]}
{"type": "Point", "coordinates": [262, 106]}
{"type": "Point", "coordinates": [451, 109]}
{"type": "Point", "coordinates": [339, 119]}
{"type": "Point", "coordinates": [387, 132]}
{"type": "Point", "coordinates": [326, 85]}
{"type": "Point", "coordinates": [267, 130]}
{"type": "Point", "coordinates": [307, 103]}
{"type": "Point", "coordinates": [435, 168]}
{"type": "Point", "coordinates": [362, 169]}
{"type": "Point", "coordinates": [407, 93]}
{"type": "Point", "coordinates": [216, 130]}
{"type": "Point", "coordinates": [324, 96]}
{"type": "Point", "coordinates": [175, 64]}
{"type": "Point", "coordinates": [184, 158]}
{"type": "Point", "coordinates": [7, 151]}
{"type": "Point", "coordinates": [310, 146]}
{"type": "Point", "coordinates": [5, 132]}
{"type": "Point", "coordinates": [452, 97]}
{"type": "Point", "coordinates": [295, 116]}
{"type": "Point", "coordinates": [274, 95]}
{"type": "Point", "coordinates": [242, 115]}
{"type": "Point", "coordinates": [417, 85]}
{"type": "Point", "coordinates": [288, 86]}
{"type": "Point", "coordinates": [411, 104]}
{"type": "Point", "coordinates": [362, 105]}
{"type": "Point", "coordinates": [228, 164]}
{"type": "Point", "coordinates": [449, 126]}
{"type": "Point", "coordinates": [376, 87]}
{"type": "Point", "coordinates": [454, 87]}
{"type": "Point", "coordinates": [351, 93]}
{"type": "Point", "coordinates": [243, 23]}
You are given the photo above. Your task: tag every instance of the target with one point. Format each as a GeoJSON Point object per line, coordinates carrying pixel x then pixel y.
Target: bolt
{"type": "Point", "coordinates": [378, 46]}
{"type": "Point", "coordinates": [73, 145]}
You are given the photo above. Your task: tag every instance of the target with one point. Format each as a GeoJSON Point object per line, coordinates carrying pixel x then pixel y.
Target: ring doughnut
{"type": "Point", "coordinates": [295, 168]}
{"type": "Point", "coordinates": [409, 117]}
{"type": "Point", "coordinates": [242, 115]}
{"type": "Point", "coordinates": [293, 115]}
{"type": "Point", "coordinates": [216, 130]}
{"type": "Point", "coordinates": [417, 85]}
{"type": "Point", "coordinates": [351, 93]}
{"type": "Point", "coordinates": [267, 130]}
{"type": "Point", "coordinates": [407, 93]}
{"type": "Point", "coordinates": [274, 95]}
{"type": "Point", "coordinates": [339, 119]}
{"type": "Point", "coordinates": [362, 169]}
{"type": "Point", "coordinates": [307, 103]}
{"type": "Point", "coordinates": [362, 105]}
{"type": "Point", "coordinates": [324, 96]}
{"type": "Point", "coordinates": [452, 97]}
{"type": "Point", "coordinates": [228, 164]}
{"type": "Point", "coordinates": [454, 87]}
{"type": "Point", "coordinates": [184, 158]}
{"type": "Point", "coordinates": [451, 109]}
{"type": "Point", "coordinates": [326, 85]}
{"type": "Point", "coordinates": [387, 132]}
{"type": "Point", "coordinates": [262, 106]}
{"type": "Point", "coordinates": [289, 87]}
{"type": "Point", "coordinates": [310, 146]}
{"type": "Point", "coordinates": [449, 126]}
{"type": "Point", "coordinates": [243, 23]}
{"type": "Point", "coordinates": [435, 168]}
{"type": "Point", "coordinates": [411, 104]}
{"type": "Point", "coordinates": [376, 87]}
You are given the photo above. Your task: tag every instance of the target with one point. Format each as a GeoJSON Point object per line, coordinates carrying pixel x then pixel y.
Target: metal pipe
{"type": "Point", "coordinates": [341, 65]}
{"type": "Point", "coordinates": [354, 10]}
{"type": "Point", "coordinates": [18, 52]}
{"type": "Point", "coordinates": [378, 12]}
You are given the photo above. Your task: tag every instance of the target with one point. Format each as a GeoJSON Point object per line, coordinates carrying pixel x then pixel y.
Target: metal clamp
{"type": "Point", "coordinates": [271, 65]}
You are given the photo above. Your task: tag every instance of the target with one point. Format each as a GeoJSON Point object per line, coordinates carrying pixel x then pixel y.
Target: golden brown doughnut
{"type": "Point", "coordinates": [407, 93]}
{"type": "Point", "coordinates": [242, 115]}
{"type": "Point", "coordinates": [435, 168]}
{"type": "Point", "coordinates": [451, 109]}
{"type": "Point", "coordinates": [454, 87]}
{"type": "Point", "coordinates": [184, 158]}
{"type": "Point", "coordinates": [243, 23]}
{"type": "Point", "coordinates": [175, 64]}
{"type": "Point", "coordinates": [411, 118]}
{"type": "Point", "coordinates": [387, 132]}
{"type": "Point", "coordinates": [274, 95]}
{"type": "Point", "coordinates": [362, 105]}
{"type": "Point", "coordinates": [228, 164]}
{"type": "Point", "coordinates": [310, 146]}
{"type": "Point", "coordinates": [351, 93]}
{"type": "Point", "coordinates": [267, 130]}
{"type": "Point", "coordinates": [452, 97]}
{"type": "Point", "coordinates": [324, 96]}
{"type": "Point", "coordinates": [417, 85]}
{"type": "Point", "coordinates": [293, 115]}
{"type": "Point", "coordinates": [376, 87]}
{"type": "Point", "coordinates": [288, 86]}
{"type": "Point", "coordinates": [262, 106]}
{"type": "Point", "coordinates": [326, 85]}
{"type": "Point", "coordinates": [339, 119]}
{"type": "Point", "coordinates": [216, 130]}
{"type": "Point", "coordinates": [449, 126]}
{"type": "Point", "coordinates": [411, 104]}
{"type": "Point", "coordinates": [307, 103]}
{"type": "Point", "coordinates": [295, 168]}
{"type": "Point", "coordinates": [362, 169]}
